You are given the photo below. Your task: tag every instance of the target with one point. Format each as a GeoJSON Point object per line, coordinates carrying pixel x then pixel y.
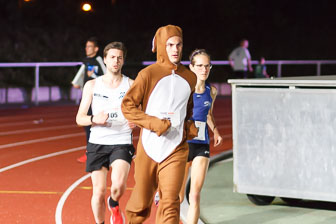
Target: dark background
{"type": "Point", "coordinates": [57, 30]}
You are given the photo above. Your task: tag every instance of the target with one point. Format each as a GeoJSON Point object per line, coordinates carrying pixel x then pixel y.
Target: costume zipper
{"type": "Point", "coordinates": [171, 96]}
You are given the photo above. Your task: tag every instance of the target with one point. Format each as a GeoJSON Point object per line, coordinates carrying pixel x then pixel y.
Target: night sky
{"type": "Point", "coordinates": [278, 30]}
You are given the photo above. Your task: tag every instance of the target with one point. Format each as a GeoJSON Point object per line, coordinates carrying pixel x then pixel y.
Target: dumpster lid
{"type": "Point", "coordinates": [325, 80]}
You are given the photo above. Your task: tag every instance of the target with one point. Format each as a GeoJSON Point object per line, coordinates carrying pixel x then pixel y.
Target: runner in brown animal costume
{"type": "Point", "coordinates": [164, 92]}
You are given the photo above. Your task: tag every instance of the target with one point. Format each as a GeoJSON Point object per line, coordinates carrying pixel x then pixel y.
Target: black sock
{"type": "Point", "coordinates": [113, 203]}
{"type": "Point", "coordinates": [101, 223]}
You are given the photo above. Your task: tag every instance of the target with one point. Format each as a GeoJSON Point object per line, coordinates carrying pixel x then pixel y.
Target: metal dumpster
{"type": "Point", "coordinates": [284, 138]}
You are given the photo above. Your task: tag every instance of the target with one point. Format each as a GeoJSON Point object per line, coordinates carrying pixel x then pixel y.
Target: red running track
{"type": "Point", "coordinates": [40, 179]}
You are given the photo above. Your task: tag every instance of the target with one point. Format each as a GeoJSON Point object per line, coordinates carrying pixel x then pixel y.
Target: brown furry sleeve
{"type": "Point", "coordinates": [137, 96]}
{"type": "Point", "coordinates": [190, 128]}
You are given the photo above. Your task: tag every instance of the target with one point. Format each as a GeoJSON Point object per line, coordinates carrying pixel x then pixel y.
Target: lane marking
{"type": "Point", "coordinates": [30, 192]}
{"type": "Point", "coordinates": [41, 140]}
{"type": "Point", "coordinates": [36, 129]}
{"type": "Point", "coordinates": [41, 157]}
{"type": "Point", "coordinates": [108, 188]}
{"type": "Point", "coordinates": [60, 204]}
{"type": "Point", "coordinates": [31, 122]}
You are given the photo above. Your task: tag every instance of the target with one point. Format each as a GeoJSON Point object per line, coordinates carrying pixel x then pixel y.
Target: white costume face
{"type": "Point", "coordinates": [174, 49]}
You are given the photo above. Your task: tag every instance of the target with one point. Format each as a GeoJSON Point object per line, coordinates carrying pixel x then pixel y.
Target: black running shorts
{"type": "Point", "coordinates": [99, 156]}
{"type": "Point", "coordinates": [198, 150]}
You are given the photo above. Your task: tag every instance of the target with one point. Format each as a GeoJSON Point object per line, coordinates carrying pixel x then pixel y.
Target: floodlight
{"type": "Point", "coordinates": [86, 7]}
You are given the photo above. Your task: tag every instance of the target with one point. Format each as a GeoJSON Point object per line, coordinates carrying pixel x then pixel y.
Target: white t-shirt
{"type": "Point", "coordinates": [240, 56]}
{"type": "Point", "coordinates": [109, 100]}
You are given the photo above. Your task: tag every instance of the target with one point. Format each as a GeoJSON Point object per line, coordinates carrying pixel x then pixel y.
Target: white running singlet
{"type": "Point", "coordinates": [116, 131]}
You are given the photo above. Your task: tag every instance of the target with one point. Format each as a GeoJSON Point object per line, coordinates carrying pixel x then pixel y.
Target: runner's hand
{"type": "Point", "coordinates": [217, 140]}
{"type": "Point", "coordinates": [100, 118]}
{"type": "Point", "coordinates": [131, 125]}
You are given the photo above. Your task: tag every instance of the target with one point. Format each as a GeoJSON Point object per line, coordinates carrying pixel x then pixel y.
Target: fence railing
{"type": "Point", "coordinates": [279, 63]}
{"type": "Point", "coordinates": [37, 66]}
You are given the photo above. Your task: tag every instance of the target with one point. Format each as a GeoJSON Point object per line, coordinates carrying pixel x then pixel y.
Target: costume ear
{"type": "Point", "coordinates": [154, 44]}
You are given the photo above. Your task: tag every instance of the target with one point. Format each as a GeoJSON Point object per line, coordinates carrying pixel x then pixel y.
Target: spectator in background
{"type": "Point", "coordinates": [240, 60]}
{"type": "Point", "coordinates": [93, 66]}
{"type": "Point", "coordinates": [260, 69]}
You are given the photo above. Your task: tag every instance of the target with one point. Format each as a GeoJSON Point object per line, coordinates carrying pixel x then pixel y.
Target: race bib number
{"type": "Point", "coordinates": [200, 125]}
{"type": "Point", "coordinates": [173, 117]}
{"type": "Point", "coordinates": [115, 116]}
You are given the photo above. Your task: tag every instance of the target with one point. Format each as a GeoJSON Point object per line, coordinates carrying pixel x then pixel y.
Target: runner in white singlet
{"type": "Point", "coordinates": [110, 143]}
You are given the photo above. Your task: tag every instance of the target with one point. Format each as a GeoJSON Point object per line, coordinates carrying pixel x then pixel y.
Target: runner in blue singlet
{"type": "Point", "coordinates": [204, 98]}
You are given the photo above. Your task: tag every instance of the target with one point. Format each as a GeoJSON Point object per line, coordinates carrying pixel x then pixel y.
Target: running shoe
{"type": "Point", "coordinates": [157, 198]}
{"type": "Point", "coordinates": [117, 217]}
{"type": "Point", "coordinates": [82, 159]}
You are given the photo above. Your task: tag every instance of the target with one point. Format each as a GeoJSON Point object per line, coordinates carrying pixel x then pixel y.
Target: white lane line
{"type": "Point", "coordinates": [60, 204]}
{"type": "Point", "coordinates": [41, 140]}
{"type": "Point", "coordinates": [36, 129]}
{"type": "Point", "coordinates": [41, 157]}
{"type": "Point", "coordinates": [32, 121]}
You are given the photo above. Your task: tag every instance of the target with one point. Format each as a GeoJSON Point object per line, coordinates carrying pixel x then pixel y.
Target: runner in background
{"type": "Point", "coordinates": [93, 67]}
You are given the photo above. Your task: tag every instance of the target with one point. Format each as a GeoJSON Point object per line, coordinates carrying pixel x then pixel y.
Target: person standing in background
{"type": "Point", "coordinates": [240, 60]}
{"type": "Point", "coordinates": [92, 67]}
{"type": "Point", "coordinates": [260, 69]}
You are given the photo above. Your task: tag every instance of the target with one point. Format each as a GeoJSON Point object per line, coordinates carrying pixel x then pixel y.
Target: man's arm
{"type": "Point", "coordinates": [132, 103]}
{"type": "Point", "coordinates": [190, 128]}
{"type": "Point", "coordinates": [211, 120]}
{"type": "Point", "coordinates": [265, 72]}
{"type": "Point", "coordinates": [101, 63]}
{"type": "Point", "coordinates": [249, 62]}
{"type": "Point", "coordinates": [82, 118]}
{"type": "Point", "coordinates": [231, 61]}
{"type": "Point", "coordinates": [77, 82]}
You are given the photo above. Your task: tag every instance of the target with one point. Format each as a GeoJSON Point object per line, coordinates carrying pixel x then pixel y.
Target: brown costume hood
{"type": "Point", "coordinates": [137, 97]}
{"type": "Point", "coordinates": [159, 43]}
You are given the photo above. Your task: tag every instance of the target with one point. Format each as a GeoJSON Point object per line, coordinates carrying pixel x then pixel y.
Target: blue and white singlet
{"type": "Point", "coordinates": [202, 105]}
